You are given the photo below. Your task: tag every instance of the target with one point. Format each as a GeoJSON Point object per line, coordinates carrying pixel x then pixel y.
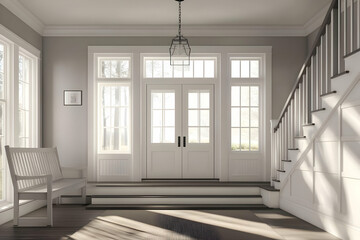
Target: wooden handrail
{"type": "Point", "coordinates": [327, 20]}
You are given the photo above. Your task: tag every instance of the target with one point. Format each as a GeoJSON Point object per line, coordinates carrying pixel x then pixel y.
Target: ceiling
{"type": "Point", "coordinates": [235, 14]}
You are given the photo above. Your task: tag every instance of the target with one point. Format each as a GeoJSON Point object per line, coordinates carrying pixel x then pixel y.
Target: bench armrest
{"type": "Point", "coordinates": [48, 178]}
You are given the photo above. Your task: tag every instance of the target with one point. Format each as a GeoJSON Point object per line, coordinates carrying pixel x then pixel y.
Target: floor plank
{"type": "Point", "coordinates": [75, 222]}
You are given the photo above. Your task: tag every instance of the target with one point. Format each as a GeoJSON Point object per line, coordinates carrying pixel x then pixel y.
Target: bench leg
{"type": "Point", "coordinates": [16, 209]}
{"type": "Point", "coordinates": [83, 194]}
{"type": "Point", "coordinates": [49, 209]}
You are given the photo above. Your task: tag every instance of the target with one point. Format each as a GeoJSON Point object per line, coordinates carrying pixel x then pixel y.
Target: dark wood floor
{"type": "Point", "coordinates": [75, 222]}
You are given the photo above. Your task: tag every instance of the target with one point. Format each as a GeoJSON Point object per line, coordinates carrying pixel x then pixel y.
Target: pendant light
{"type": "Point", "coordinates": [179, 49]}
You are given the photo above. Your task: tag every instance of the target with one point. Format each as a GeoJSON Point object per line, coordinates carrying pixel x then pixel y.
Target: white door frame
{"type": "Point", "coordinates": [222, 100]}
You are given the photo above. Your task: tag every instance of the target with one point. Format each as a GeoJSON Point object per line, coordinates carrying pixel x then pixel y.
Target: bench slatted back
{"type": "Point", "coordinates": [32, 162]}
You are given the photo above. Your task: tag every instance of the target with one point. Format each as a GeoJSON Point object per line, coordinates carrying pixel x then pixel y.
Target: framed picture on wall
{"type": "Point", "coordinates": [72, 97]}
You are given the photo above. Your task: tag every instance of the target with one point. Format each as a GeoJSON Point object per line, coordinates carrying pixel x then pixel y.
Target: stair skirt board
{"type": "Point", "coordinates": [176, 207]}
{"type": "Point", "coordinates": [179, 200]}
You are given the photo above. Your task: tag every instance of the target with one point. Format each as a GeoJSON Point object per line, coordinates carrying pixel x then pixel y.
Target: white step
{"type": "Point", "coordinates": [173, 190]}
{"type": "Point", "coordinates": [195, 199]}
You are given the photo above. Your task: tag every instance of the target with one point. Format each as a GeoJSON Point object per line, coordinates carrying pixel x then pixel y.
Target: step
{"type": "Point", "coordinates": [175, 207]}
{"type": "Point", "coordinates": [176, 199]}
{"type": "Point", "coordinates": [176, 188]}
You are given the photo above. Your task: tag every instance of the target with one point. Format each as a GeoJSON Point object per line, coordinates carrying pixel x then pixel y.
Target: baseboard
{"type": "Point", "coordinates": [328, 223]}
{"type": "Point", "coordinates": [25, 208]}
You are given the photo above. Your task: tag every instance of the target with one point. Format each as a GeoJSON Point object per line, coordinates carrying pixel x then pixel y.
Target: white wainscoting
{"type": "Point", "coordinates": [327, 193]}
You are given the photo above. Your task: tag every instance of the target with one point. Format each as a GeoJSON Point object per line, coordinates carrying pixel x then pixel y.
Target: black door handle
{"type": "Point", "coordinates": [179, 140]}
{"type": "Point", "coordinates": [184, 143]}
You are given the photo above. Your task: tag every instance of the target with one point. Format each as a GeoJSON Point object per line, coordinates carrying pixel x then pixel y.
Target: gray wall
{"type": "Point", "coordinates": [65, 67]}
{"type": "Point", "coordinates": [17, 26]}
{"type": "Point", "coordinates": [311, 38]}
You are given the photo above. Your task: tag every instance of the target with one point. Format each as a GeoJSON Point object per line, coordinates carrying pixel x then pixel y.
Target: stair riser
{"type": "Point", "coordinates": [288, 166]}
{"type": "Point", "coordinates": [352, 63]}
{"type": "Point", "coordinates": [198, 190]}
{"type": "Point", "coordinates": [309, 131]}
{"type": "Point", "coordinates": [319, 117]}
{"type": "Point", "coordinates": [301, 143]}
{"type": "Point", "coordinates": [293, 155]}
{"type": "Point", "coordinates": [277, 185]}
{"type": "Point", "coordinates": [177, 200]}
{"type": "Point", "coordinates": [341, 84]}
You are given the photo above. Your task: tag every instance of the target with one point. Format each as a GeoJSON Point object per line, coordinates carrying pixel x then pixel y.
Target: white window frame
{"type": "Point", "coordinates": [15, 46]}
{"type": "Point", "coordinates": [221, 103]}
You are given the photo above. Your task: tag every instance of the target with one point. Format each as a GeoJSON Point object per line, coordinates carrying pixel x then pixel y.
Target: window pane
{"type": "Point", "coordinates": [168, 70]}
{"type": "Point", "coordinates": [254, 118]}
{"type": "Point", "coordinates": [107, 117]}
{"type": "Point", "coordinates": [178, 70]}
{"type": "Point", "coordinates": [115, 69]}
{"type": "Point", "coordinates": [157, 118]}
{"type": "Point", "coordinates": [254, 139]}
{"type": "Point", "coordinates": [124, 117]}
{"type": "Point", "coordinates": [245, 96]}
{"type": "Point", "coordinates": [156, 135]}
{"type": "Point", "coordinates": [193, 100]}
{"type": "Point", "coordinates": [124, 135]}
{"type": "Point", "coordinates": [156, 100]}
{"type": "Point", "coordinates": [254, 93]}
{"type": "Point", "coordinates": [245, 68]}
{"type": "Point", "coordinates": [105, 69]}
{"type": "Point", "coordinates": [157, 69]}
{"type": "Point", "coordinates": [189, 70]}
{"type": "Point", "coordinates": [235, 96]}
{"type": "Point", "coordinates": [193, 135]}
{"type": "Point", "coordinates": [204, 135]}
{"type": "Point", "coordinates": [235, 117]}
{"type": "Point", "coordinates": [193, 118]}
{"type": "Point", "coordinates": [209, 68]}
{"type": "Point", "coordinates": [254, 68]}
{"type": "Point", "coordinates": [125, 69]}
{"type": "Point", "coordinates": [148, 69]}
{"type": "Point", "coordinates": [198, 68]}
{"type": "Point", "coordinates": [245, 117]}
{"type": "Point", "coordinates": [235, 68]}
{"type": "Point", "coordinates": [169, 100]}
{"type": "Point", "coordinates": [124, 96]}
{"type": "Point", "coordinates": [169, 135]}
{"type": "Point", "coordinates": [204, 100]}
{"type": "Point", "coordinates": [244, 139]}
{"type": "Point", "coordinates": [204, 118]}
{"type": "Point", "coordinates": [235, 139]}
{"type": "Point", "coordinates": [169, 118]}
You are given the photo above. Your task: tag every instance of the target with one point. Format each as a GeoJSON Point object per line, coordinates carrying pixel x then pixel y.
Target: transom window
{"type": "Point", "coordinates": [161, 68]}
{"type": "Point", "coordinates": [245, 68]}
{"type": "Point", "coordinates": [115, 67]}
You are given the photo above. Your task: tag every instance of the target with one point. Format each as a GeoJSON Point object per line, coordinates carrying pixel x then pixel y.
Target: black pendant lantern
{"type": "Point", "coordinates": [179, 49]}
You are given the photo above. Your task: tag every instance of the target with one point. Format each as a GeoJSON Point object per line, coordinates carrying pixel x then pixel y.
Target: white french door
{"type": "Point", "coordinates": [180, 131]}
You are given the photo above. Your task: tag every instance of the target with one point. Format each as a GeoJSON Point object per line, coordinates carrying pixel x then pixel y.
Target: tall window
{"type": "Point", "coordinates": [25, 84]}
{"type": "Point", "coordinates": [245, 105]}
{"type": "Point", "coordinates": [3, 58]}
{"type": "Point", "coordinates": [114, 116]}
{"type": "Point", "coordinates": [19, 99]}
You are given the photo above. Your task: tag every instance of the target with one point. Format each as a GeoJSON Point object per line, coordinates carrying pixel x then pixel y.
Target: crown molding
{"type": "Point", "coordinates": [171, 30]}
{"type": "Point", "coordinates": [24, 14]}
{"type": "Point", "coordinates": [316, 21]}
{"type": "Point", "coordinates": [161, 30]}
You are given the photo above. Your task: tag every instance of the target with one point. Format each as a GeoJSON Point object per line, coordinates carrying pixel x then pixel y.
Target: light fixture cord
{"type": "Point", "coordinates": [179, 19]}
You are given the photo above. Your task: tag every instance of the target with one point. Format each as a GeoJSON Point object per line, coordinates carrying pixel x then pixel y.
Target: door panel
{"type": "Point", "coordinates": [163, 129]}
{"type": "Point", "coordinates": [198, 122]}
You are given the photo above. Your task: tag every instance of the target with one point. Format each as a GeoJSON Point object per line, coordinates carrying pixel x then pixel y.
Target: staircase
{"type": "Point", "coordinates": [327, 77]}
{"type": "Point", "coordinates": [181, 195]}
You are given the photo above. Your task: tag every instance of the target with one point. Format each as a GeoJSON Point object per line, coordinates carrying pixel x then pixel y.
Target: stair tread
{"type": "Point", "coordinates": [174, 206]}
{"type": "Point", "coordinates": [182, 184]}
{"type": "Point", "coordinates": [309, 124]}
{"type": "Point", "coordinates": [285, 160]}
{"type": "Point", "coordinates": [318, 110]}
{"type": "Point", "coordinates": [293, 149]}
{"type": "Point", "coordinates": [328, 93]}
{"type": "Point", "coordinates": [176, 196]}
{"type": "Point", "coordinates": [276, 180]}
{"type": "Point", "coordinates": [339, 74]}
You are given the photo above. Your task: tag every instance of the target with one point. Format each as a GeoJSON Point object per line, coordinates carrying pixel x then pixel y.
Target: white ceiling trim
{"type": "Point", "coordinates": [171, 30]}
{"type": "Point", "coordinates": [160, 30]}
{"type": "Point", "coordinates": [24, 14]}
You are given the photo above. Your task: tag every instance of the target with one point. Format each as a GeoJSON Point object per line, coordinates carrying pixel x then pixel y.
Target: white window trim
{"type": "Point", "coordinates": [15, 46]}
{"type": "Point", "coordinates": [222, 101]}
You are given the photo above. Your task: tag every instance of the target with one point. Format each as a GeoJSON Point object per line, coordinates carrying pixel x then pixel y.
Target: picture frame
{"type": "Point", "coordinates": [72, 97]}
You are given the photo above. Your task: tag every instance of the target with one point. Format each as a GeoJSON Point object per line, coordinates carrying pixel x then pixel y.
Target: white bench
{"type": "Point", "coordinates": [36, 175]}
